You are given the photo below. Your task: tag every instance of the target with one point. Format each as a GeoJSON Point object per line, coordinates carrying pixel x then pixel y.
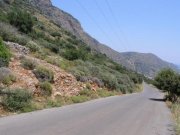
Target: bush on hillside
{"type": "Point", "coordinates": [4, 55]}
{"type": "Point", "coordinates": [110, 81]}
{"type": "Point", "coordinates": [6, 76]}
{"type": "Point", "coordinates": [10, 33]}
{"type": "Point", "coordinates": [43, 74]}
{"type": "Point", "coordinates": [4, 72]}
{"type": "Point", "coordinates": [17, 99]}
{"type": "Point", "coordinates": [46, 88]}
{"type": "Point", "coordinates": [28, 64]}
{"type": "Point", "coordinates": [137, 79]}
{"type": "Point", "coordinates": [33, 46]}
{"type": "Point", "coordinates": [54, 61]}
{"type": "Point", "coordinates": [9, 79]}
{"type": "Point", "coordinates": [22, 20]}
{"type": "Point", "coordinates": [3, 16]}
{"type": "Point", "coordinates": [79, 99]}
{"type": "Point", "coordinates": [73, 53]}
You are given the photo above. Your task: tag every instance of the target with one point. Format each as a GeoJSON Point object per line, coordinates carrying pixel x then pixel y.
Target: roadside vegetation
{"type": "Point", "coordinates": [169, 81]}
{"type": "Point", "coordinates": [22, 100]}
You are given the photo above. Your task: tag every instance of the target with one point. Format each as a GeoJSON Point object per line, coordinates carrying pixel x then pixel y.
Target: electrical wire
{"type": "Point", "coordinates": [117, 22]}
{"type": "Point", "coordinates": [93, 20]}
{"type": "Point", "coordinates": [109, 23]}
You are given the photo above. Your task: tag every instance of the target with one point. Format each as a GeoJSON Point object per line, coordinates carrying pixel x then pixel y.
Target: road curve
{"type": "Point", "coordinates": [136, 114]}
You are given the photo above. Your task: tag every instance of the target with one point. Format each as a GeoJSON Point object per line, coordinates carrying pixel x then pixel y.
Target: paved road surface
{"type": "Point", "coordinates": [136, 114]}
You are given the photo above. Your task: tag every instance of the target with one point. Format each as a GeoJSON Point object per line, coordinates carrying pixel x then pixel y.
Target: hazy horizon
{"type": "Point", "coordinates": [131, 26]}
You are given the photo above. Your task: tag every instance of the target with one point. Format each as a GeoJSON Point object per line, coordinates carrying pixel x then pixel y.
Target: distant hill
{"type": "Point", "coordinates": [146, 63]}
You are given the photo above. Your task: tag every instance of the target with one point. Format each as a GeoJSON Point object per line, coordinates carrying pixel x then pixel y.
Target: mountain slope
{"type": "Point", "coordinates": [147, 64]}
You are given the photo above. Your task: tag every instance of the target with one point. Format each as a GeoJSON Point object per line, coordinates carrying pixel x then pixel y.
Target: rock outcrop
{"type": "Point", "coordinates": [17, 48]}
{"type": "Point", "coordinates": [64, 84]}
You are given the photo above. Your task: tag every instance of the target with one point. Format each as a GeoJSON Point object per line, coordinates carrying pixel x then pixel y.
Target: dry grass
{"type": "Point", "coordinates": [176, 113]}
{"type": "Point", "coordinates": [139, 88]}
{"type": "Point", "coordinates": [175, 108]}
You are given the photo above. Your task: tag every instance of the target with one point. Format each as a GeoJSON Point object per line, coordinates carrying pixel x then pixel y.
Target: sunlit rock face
{"type": "Point", "coordinates": [41, 2]}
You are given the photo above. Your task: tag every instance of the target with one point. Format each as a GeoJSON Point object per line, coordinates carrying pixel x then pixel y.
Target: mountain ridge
{"type": "Point", "coordinates": [71, 24]}
{"type": "Point", "coordinates": [117, 56]}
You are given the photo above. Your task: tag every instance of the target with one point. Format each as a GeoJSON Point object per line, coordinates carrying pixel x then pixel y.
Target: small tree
{"type": "Point", "coordinates": [169, 81]}
{"type": "Point", "coordinates": [22, 20]}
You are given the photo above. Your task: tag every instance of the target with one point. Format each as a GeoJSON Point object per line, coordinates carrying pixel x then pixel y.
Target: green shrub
{"type": "Point", "coordinates": [10, 33]}
{"type": "Point", "coordinates": [88, 86]}
{"type": "Point", "coordinates": [44, 74]}
{"type": "Point", "coordinates": [29, 108]}
{"type": "Point", "coordinates": [7, 32]}
{"type": "Point", "coordinates": [33, 46]}
{"type": "Point", "coordinates": [28, 64]}
{"type": "Point", "coordinates": [40, 55]}
{"type": "Point", "coordinates": [46, 88]}
{"type": "Point", "coordinates": [54, 61]}
{"type": "Point", "coordinates": [17, 99]}
{"type": "Point", "coordinates": [51, 46]}
{"type": "Point", "coordinates": [105, 93]}
{"type": "Point", "coordinates": [122, 88]}
{"type": "Point", "coordinates": [3, 16]}
{"type": "Point", "coordinates": [85, 92]}
{"type": "Point", "coordinates": [22, 20]}
{"type": "Point", "coordinates": [110, 81]}
{"type": "Point", "coordinates": [4, 55]}
{"type": "Point", "coordinates": [4, 72]}
{"type": "Point", "coordinates": [79, 99]}
{"type": "Point", "coordinates": [71, 54]}
{"type": "Point", "coordinates": [51, 103]}
{"type": "Point", "coordinates": [89, 94]}
{"type": "Point", "coordinates": [9, 79]}
{"type": "Point", "coordinates": [21, 39]}
{"type": "Point", "coordinates": [56, 34]}
{"type": "Point", "coordinates": [74, 54]}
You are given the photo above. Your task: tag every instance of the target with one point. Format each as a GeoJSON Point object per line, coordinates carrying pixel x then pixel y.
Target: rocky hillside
{"type": "Point", "coordinates": [147, 64]}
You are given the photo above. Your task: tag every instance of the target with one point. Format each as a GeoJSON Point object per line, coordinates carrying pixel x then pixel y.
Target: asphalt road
{"type": "Point", "coordinates": [136, 114]}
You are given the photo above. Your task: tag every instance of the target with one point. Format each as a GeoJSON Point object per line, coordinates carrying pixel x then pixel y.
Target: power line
{"type": "Point", "coordinates": [107, 20]}
{"type": "Point", "coordinates": [116, 20]}
{"type": "Point", "coordinates": [93, 20]}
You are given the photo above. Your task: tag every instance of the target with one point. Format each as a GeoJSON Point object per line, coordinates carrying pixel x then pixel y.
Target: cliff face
{"type": "Point", "coordinates": [143, 63]}
{"type": "Point", "coordinates": [40, 3]}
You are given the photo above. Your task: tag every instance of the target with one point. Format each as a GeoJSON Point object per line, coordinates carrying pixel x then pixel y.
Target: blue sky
{"type": "Point", "coordinates": [150, 26]}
